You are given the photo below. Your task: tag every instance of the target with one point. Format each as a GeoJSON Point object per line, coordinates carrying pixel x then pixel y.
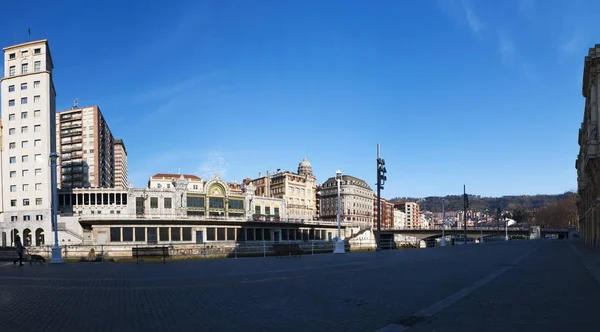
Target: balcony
{"type": "Point", "coordinates": [71, 132]}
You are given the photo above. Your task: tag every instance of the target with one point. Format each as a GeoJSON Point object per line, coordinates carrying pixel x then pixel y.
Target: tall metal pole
{"type": "Point", "coordinates": [378, 201]}
{"type": "Point", "coordinates": [465, 211]}
{"type": "Point", "coordinates": [339, 244]}
{"type": "Point", "coordinates": [443, 240]}
{"type": "Point", "coordinates": [56, 252]}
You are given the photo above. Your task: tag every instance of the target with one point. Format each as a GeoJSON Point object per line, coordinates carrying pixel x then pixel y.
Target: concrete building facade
{"type": "Point", "coordinates": [387, 213]}
{"type": "Point", "coordinates": [356, 198]}
{"type": "Point", "coordinates": [588, 161]}
{"type": "Point", "coordinates": [29, 136]}
{"type": "Point", "coordinates": [86, 149]}
{"type": "Point", "coordinates": [121, 166]}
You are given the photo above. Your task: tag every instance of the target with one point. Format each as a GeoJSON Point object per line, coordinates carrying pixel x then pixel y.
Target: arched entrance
{"type": "Point", "coordinates": [27, 237]}
{"type": "Point", "coordinates": [13, 234]}
{"type": "Point", "coordinates": [39, 237]}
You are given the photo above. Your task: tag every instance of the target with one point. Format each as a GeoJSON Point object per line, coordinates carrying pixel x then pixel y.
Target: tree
{"type": "Point", "coordinates": [561, 214]}
{"type": "Point", "coordinates": [520, 215]}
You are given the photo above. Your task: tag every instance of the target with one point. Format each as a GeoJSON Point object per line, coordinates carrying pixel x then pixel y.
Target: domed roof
{"type": "Point", "coordinates": [305, 163]}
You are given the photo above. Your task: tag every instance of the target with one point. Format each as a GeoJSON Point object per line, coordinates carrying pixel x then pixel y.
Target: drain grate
{"type": "Point", "coordinates": [412, 320]}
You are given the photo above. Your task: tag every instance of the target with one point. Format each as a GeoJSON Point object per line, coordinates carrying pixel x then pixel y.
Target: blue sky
{"type": "Point", "coordinates": [482, 93]}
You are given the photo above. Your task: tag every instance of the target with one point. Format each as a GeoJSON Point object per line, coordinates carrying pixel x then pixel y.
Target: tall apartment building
{"type": "Point", "coordinates": [411, 210]}
{"type": "Point", "coordinates": [29, 136]}
{"type": "Point", "coordinates": [120, 164]}
{"type": "Point", "coordinates": [387, 213]}
{"type": "Point", "coordinates": [86, 149]}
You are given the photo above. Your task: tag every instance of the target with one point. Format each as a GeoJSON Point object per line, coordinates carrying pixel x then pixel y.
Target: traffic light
{"type": "Point", "coordinates": [381, 178]}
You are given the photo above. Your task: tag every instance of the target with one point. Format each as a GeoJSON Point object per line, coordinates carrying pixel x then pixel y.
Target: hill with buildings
{"type": "Point", "coordinates": [478, 203]}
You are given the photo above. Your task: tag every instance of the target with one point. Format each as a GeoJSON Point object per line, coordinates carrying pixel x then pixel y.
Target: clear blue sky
{"type": "Point", "coordinates": [482, 93]}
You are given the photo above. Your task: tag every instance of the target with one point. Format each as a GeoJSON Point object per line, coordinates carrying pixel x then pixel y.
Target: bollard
{"type": "Point", "coordinates": [264, 249]}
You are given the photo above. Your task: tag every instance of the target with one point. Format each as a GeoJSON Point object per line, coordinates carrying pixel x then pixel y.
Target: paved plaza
{"type": "Point", "coordinates": [514, 286]}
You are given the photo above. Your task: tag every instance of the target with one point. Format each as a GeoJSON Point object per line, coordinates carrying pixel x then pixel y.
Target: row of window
{"type": "Point", "coordinates": [25, 130]}
{"type": "Point", "coordinates": [24, 86]}
{"type": "Point", "coordinates": [24, 100]}
{"type": "Point", "coordinates": [25, 53]}
{"type": "Point", "coordinates": [24, 115]}
{"type": "Point", "coordinates": [38, 201]}
{"type": "Point", "coordinates": [24, 144]}
{"type": "Point", "coordinates": [37, 67]}
{"type": "Point", "coordinates": [152, 234]}
{"type": "Point", "coordinates": [25, 159]}
{"type": "Point", "coordinates": [38, 217]}
{"type": "Point", "coordinates": [25, 187]}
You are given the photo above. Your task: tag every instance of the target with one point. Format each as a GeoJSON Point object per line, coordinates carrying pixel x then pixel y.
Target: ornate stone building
{"type": "Point", "coordinates": [298, 190]}
{"type": "Point", "coordinates": [588, 163]}
{"type": "Point", "coordinates": [356, 197]}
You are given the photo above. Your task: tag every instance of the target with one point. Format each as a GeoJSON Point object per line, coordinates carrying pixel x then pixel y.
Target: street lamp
{"type": "Point", "coordinates": [339, 244]}
{"type": "Point", "coordinates": [443, 240]}
{"type": "Point", "coordinates": [505, 228]}
{"type": "Point", "coordinates": [56, 252]}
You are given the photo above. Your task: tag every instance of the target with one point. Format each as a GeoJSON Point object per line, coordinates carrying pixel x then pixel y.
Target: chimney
{"type": "Point", "coordinates": [259, 175]}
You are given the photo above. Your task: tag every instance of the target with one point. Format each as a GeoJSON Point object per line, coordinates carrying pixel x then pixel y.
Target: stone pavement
{"type": "Point", "coordinates": [514, 286]}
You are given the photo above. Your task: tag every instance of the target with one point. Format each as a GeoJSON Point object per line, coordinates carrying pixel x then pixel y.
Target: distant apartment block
{"type": "Point", "coordinates": [411, 210]}
{"type": "Point", "coordinates": [86, 149]}
{"type": "Point", "coordinates": [121, 170]}
{"type": "Point", "coordinates": [387, 213]}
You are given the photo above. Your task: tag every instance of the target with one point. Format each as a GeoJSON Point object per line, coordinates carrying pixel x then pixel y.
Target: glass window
{"type": "Point", "coordinates": [23, 100]}
{"type": "Point", "coordinates": [25, 187]}
{"type": "Point", "coordinates": [38, 201]}
{"type": "Point", "coordinates": [25, 158]}
{"type": "Point", "coordinates": [115, 234]}
{"type": "Point", "coordinates": [24, 68]}
{"type": "Point", "coordinates": [13, 174]}
{"type": "Point", "coordinates": [23, 115]}
{"type": "Point", "coordinates": [11, 117]}
{"type": "Point", "coordinates": [37, 142]}
{"type": "Point", "coordinates": [128, 234]}
{"type": "Point", "coordinates": [13, 160]}
{"type": "Point", "coordinates": [154, 202]}
{"type": "Point", "coordinates": [11, 88]}
{"type": "Point", "coordinates": [167, 201]}
{"type": "Point", "coordinates": [36, 99]}
{"type": "Point", "coordinates": [13, 188]}
{"type": "Point", "coordinates": [140, 234]}
{"type": "Point", "coordinates": [11, 102]}
{"type": "Point", "coordinates": [38, 171]}
{"type": "Point", "coordinates": [37, 128]}
{"type": "Point", "coordinates": [12, 145]}
{"type": "Point", "coordinates": [187, 234]}
{"type": "Point", "coordinates": [11, 71]}
{"type": "Point", "coordinates": [210, 234]}
{"type": "Point", "coordinates": [12, 56]}
{"type": "Point", "coordinates": [175, 234]}
{"type": "Point", "coordinates": [25, 172]}
{"type": "Point", "coordinates": [24, 130]}
{"type": "Point", "coordinates": [23, 86]}
{"type": "Point", "coordinates": [37, 51]}
{"type": "Point", "coordinates": [13, 202]}
{"type": "Point", "coordinates": [37, 113]}
{"type": "Point", "coordinates": [36, 84]}
{"type": "Point", "coordinates": [24, 144]}
{"type": "Point", "coordinates": [163, 234]}
{"type": "Point", "coordinates": [37, 66]}
{"type": "Point", "coordinates": [38, 186]}
{"type": "Point", "coordinates": [26, 202]}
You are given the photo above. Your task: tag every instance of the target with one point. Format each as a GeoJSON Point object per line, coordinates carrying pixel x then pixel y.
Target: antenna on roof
{"type": "Point", "coordinates": [28, 34]}
{"type": "Point", "coordinates": [76, 103]}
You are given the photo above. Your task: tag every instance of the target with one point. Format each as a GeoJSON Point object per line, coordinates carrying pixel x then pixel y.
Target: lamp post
{"type": "Point", "coordinates": [56, 252]}
{"type": "Point", "coordinates": [505, 228]}
{"type": "Point", "coordinates": [443, 240]}
{"type": "Point", "coordinates": [339, 244]}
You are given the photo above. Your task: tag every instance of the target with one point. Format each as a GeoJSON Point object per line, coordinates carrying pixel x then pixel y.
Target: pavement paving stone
{"type": "Point", "coordinates": [351, 292]}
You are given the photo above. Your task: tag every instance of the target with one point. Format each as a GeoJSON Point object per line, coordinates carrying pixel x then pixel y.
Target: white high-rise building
{"type": "Point", "coordinates": [28, 138]}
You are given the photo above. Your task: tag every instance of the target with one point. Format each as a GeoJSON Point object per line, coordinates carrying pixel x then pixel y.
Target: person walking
{"type": "Point", "coordinates": [19, 248]}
